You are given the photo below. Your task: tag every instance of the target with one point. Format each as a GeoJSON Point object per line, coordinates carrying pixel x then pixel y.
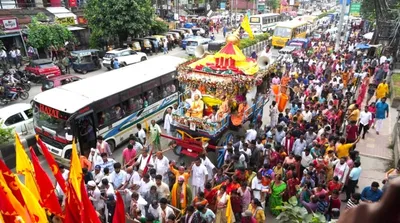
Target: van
{"type": "Point", "coordinates": [18, 117]}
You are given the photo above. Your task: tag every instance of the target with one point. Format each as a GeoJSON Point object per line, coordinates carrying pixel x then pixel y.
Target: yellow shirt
{"type": "Point", "coordinates": [329, 148]}
{"type": "Point", "coordinates": [382, 90]}
{"type": "Point", "coordinates": [354, 115]}
{"type": "Point", "coordinates": [343, 150]}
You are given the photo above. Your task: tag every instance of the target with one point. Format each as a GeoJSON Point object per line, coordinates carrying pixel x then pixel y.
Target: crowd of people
{"type": "Point", "coordinates": [307, 151]}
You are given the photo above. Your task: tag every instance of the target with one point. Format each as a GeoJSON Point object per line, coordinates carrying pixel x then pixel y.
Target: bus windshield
{"type": "Point", "coordinates": [283, 32]}
{"type": "Point", "coordinates": [254, 20]}
{"type": "Point", "coordinates": [50, 120]}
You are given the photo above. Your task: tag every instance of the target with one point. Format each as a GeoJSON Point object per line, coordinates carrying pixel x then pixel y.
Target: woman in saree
{"type": "Point", "coordinates": [257, 210]}
{"type": "Point", "coordinates": [196, 108]}
{"type": "Point", "coordinates": [277, 191]}
{"type": "Point", "coordinates": [293, 185]}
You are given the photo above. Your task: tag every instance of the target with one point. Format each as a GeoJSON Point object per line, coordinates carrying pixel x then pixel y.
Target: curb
{"type": "Point", "coordinates": [375, 156]}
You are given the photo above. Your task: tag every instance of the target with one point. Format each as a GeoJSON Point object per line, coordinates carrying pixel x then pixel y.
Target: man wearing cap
{"type": "Point", "coordinates": [247, 217]}
{"type": "Point", "coordinates": [95, 195]}
{"type": "Point", "coordinates": [103, 146]}
{"type": "Point", "coordinates": [181, 194]}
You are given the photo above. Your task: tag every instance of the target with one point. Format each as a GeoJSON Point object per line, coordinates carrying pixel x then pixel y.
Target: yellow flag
{"type": "Point", "coordinates": [230, 216]}
{"type": "Point", "coordinates": [24, 167]}
{"type": "Point", "coordinates": [36, 211]}
{"type": "Point", "coordinates": [246, 26]}
{"type": "Point", "coordinates": [75, 174]}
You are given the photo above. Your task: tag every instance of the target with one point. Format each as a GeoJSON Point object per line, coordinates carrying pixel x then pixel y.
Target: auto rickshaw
{"type": "Point", "coordinates": [135, 46]}
{"type": "Point", "coordinates": [85, 60]}
{"type": "Point", "coordinates": [180, 31]}
{"type": "Point", "coordinates": [177, 37]}
{"type": "Point", "coordinates": [153, 47]}
{"type": "Point", "coordinates": [145, 45]}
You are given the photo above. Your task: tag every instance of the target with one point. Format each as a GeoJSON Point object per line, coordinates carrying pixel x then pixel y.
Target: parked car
{"type": "Point", "coordinates": [54, 82]}
{"type": "Point", "coordinates": [18, 117]}
{"type": "Point", "coordinates": [43, 67]}
{"type": "Point", "coordinates": [192, 44]}
{"type": "Point", "coordinates": [184, 41]}
{"type": "Point", "coordinates": [300, 44]}
{"type": "Point", "coordinates": [125, 57]}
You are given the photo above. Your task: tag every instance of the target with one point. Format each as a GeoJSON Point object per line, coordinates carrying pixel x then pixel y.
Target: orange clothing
{"type": "Point", "coordinates": [285, 80]}
{"type": "Point", "coordinates": [186, 175]}
{"type": "Point", "coordinates": [196, 200]}
{"type": "Point", "coordinates": [85, 163]}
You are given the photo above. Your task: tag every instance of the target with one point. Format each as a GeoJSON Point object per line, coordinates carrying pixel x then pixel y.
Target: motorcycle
{"type": "Point", "coordinates": [19, 79]}
{"type": "Point", "coordinates": [5, 98]}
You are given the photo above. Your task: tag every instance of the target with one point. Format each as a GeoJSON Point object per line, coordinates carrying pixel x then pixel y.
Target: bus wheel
{"type": "Point", "coordinates": [111, 143]}
{"type": "Point", "coordinates": [177, 150]}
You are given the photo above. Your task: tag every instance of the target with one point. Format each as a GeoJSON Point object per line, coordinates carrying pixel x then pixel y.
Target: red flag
{"type": "Point", "coordinates": [119, 212]}
{"type": "Point", "coordinates": [147, 162]}
{"type": "Point", "coordinates": [9, 178]}
{"type": "Point", "coordinates": [73, 207]}
{"type": "Point", "coordinates": [53, 165]}
{"type": "Point", "coordinates": [46, 188]}
{"type": "Point", "coordinates": [90, 214]}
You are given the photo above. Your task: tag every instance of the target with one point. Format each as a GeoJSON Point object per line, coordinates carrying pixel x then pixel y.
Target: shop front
{"type": "Point", "coordinates": [12, 35]}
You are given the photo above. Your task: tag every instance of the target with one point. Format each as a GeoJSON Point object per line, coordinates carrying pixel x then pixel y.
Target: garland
{"type": "Point", "coordinates": [200, 123]}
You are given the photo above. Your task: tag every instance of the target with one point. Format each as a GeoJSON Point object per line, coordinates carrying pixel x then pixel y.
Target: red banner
{"type": "Point", "coordinates": [73, 3]}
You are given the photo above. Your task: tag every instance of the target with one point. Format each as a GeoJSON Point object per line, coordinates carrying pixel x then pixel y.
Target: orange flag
{"type": "Point", "coordinates": [9, 179]}
{"type": "Point", "coordinates": [10, 208]}
{"type": "Point", "coordinates": [75, 173]}
{"type": "Point", "coordinates": [73, 207]}
{"type": "Point", "coordinates": [53, 165]}
{"type": "Point", "coordinates": [90, 214]}
{"type": "Point", "coordinates": [119, 212]}
{"type": "Point", "coordinates": [24, 167]}
{"type": "Point", "coordinates": [46, 188]}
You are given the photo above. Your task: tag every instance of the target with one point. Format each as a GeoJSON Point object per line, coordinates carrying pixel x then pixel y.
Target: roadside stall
{"type": "Point", "coordinates": [220, 96]}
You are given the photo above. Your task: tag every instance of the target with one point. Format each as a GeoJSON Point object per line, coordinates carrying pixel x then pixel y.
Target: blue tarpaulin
{"type": "Point", "coordinates": [362, 46]}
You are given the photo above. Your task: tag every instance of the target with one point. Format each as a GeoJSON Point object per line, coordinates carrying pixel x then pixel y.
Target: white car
{"type": "Point", "coordinates": [125, 57]}
{"type": "Point", "coordinates": [18, 117]}
{"type": "Point", "coordinates": [192, 44]}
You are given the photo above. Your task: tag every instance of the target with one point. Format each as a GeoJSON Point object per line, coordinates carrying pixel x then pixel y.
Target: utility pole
{"type": "Point", "coordinates": [339, 32]}
{"type": "Point", "coordinates": [236, 11]}
{"type": "Point", "coordinates": [230, 11]}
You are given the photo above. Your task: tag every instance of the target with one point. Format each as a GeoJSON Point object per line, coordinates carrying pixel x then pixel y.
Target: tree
{"type": "Point", "coordinates": [42, 35]}
{"type": "Point", "coordinates": [6, 134]}
{"type": "Point", "coordinates": [158, 27]}
{"type": "Point", "coordinates": [292, 213]}
{"type": "Point", "coordinates": [110, 18]}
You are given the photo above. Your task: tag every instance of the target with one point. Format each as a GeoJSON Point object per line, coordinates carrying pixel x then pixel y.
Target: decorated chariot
{"type": "Point", "coordinates": [223, 91]}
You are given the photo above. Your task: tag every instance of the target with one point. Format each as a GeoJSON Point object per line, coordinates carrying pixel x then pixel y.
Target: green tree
{"type": "Point", "coordinates": [158, 27]}
{"type": "Point", "coordinates": [6, 134]}
{"type": "Point", "coordinates": [110, 18]}
{"type": "Point", "coordinates": [43, 35]}
{"type": "Point", "coordinates": [368, 10]}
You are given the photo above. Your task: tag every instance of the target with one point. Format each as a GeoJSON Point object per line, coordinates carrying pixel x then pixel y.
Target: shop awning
{"type": "Point", "coordinates": [75, 28]}
{"type": "Point", "coordinates": [63, 15]}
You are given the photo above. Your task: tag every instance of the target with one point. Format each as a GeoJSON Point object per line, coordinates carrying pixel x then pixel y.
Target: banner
{"type": "Point", "coordinates": [355, 9]}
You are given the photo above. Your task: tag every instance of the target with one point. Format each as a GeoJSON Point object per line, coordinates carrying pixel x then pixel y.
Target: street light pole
{"type": "Point", "coordinates": [339, 32]}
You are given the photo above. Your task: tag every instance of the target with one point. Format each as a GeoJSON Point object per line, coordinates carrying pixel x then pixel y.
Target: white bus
{"type": "Point", "coordinates": [108, 105]}
{"type": "Point", "coordinates": [264, 22]}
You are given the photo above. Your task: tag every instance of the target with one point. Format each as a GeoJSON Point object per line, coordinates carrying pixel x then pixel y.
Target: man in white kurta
{"type": "Point", "coordinates": [199, 176]}
{"type": "Point", "coordinates": [161, 164]}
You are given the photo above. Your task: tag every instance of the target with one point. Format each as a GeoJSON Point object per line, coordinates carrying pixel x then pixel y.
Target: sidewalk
{"type": "Point", "coordinates": [377, 146]}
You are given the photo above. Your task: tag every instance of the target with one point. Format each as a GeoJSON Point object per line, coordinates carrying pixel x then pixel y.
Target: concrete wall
{"type": "Point", "coordinates": [396, 142]}
{"type": "Point", "coordinates": [7, 150]}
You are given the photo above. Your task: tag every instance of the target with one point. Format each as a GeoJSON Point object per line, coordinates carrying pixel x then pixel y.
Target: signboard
{"type": "Point", "coordinates": [222, 5]}
{"type": "Point", "coordinates": [67, 21]}
{"type": "Point", "coordinates": [355, 9]}
{"type": "Point", "coordinates": [9, 23]}
{"type": "Point", "coordinates": [260, 8]}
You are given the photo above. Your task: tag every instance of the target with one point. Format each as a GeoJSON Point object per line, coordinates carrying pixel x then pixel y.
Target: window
{"type": "Point", "coordinates": [29, 113]}
{"type": "Point", "coordinates": [14, 119]}
{"type": "Point", "coordinates": [126, 53]}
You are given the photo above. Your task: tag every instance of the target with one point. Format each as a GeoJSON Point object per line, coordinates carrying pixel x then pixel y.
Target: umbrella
{"type": "Point", "coordinates": [368, 35]}
{"type": "Point", "coordinates": [362, 46]}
